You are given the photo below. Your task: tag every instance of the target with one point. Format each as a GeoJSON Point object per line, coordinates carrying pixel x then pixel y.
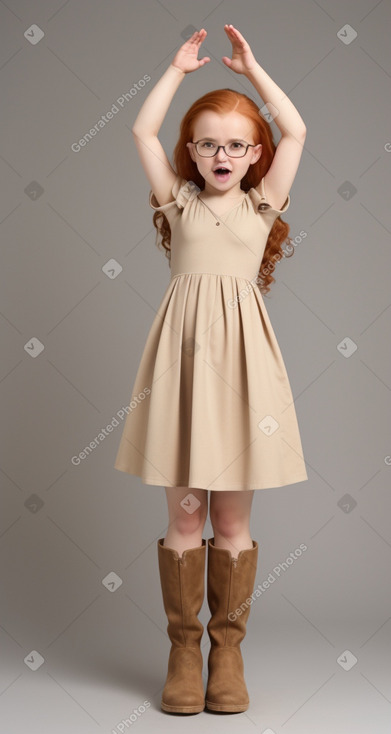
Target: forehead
{"type": "Point", "coordinates": [214, 125]}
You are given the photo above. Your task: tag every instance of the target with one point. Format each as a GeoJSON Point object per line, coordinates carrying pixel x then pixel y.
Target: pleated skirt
{"type": "Point", "coordinates": [211, 405]}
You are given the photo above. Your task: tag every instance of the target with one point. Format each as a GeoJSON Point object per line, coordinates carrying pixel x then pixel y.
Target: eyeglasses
{"type": "Point", "coordinates": [208, 149]}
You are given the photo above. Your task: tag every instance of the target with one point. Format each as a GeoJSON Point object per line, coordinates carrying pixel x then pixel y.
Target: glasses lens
{"type": "Point", "coordinates": [206, 148]}
{"type": "Point", "coordinates": [236, 149]}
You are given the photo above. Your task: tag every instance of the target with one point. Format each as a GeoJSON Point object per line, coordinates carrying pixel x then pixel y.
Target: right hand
{"type": "Point", "coordinates": [186, 58]}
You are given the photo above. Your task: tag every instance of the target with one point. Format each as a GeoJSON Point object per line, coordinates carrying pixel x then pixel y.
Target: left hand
{"type": "Point", "coordinates": [243, 59]}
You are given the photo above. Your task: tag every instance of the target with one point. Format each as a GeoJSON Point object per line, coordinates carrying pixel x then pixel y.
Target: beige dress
{"type": "Point", "coordinates": [211, 405]}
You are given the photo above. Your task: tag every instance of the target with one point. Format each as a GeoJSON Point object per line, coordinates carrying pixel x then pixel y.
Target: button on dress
{"type": "Point", "coordinates": [211, 405]}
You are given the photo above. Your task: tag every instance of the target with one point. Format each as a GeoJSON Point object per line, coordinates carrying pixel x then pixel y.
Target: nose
{"type": "Point", "coordinates": [221, 155]}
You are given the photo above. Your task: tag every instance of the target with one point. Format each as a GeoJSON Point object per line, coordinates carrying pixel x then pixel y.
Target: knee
{"type": "Point", "coordinates": [188, 520]}
{"type": "Point", "coordinates": [227, 521]}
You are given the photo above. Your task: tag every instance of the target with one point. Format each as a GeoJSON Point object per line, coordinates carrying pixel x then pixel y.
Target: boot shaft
{"type": "Point", "coordinates": [183, 587]}
{"type": "Point", "coordinates": [230, 585]}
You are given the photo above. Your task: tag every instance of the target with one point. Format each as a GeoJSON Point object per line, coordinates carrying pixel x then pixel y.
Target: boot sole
{"type": "Point", "coordinates": [227, 707]}
{"type": "Point", "coordinates": [196, 709]}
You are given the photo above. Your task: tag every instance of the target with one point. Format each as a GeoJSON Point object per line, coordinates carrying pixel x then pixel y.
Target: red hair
{"type": "Point", "coordinates": [223, 101]}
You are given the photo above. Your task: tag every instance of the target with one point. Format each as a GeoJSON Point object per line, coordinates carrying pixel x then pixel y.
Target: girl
{"type": "Point", "coordinates": [212, 407]}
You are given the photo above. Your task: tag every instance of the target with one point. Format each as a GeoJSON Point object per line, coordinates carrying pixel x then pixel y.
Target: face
{"type": "Point", "coordinates": [222, 129]}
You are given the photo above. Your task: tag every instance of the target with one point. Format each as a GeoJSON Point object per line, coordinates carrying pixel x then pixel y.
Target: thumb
{"type": "Point", "coordinates": [227, 61]}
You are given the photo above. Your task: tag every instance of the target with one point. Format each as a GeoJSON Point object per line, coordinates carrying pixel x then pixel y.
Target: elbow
{"type": "Point", "coordinates": [298, 134]}
{"type": "Point", "coordinates": [142, 133]}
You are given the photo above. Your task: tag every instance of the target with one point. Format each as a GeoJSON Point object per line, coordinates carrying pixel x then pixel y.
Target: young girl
{"type": "Point", "coordinates": [212, 407]}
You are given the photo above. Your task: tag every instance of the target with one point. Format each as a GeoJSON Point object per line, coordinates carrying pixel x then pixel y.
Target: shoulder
{"type": "Point", "coordinates": [183, 191]}
{"type": "Point", "coordinates": [264, 202]}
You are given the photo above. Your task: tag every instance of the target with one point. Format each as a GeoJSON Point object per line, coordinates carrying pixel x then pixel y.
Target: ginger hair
{"type": "Point", "coordinates": [224, 101]}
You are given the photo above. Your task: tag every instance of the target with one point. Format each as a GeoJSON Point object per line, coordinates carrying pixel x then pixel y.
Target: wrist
{"type": "Point", "coordinates": [253, 70]}
{"type": "Point", "coordinates": [177, 69]}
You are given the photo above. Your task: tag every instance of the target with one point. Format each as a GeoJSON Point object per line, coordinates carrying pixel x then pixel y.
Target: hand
{"type": "Point", "coordinates": [186, 58]}
{"type": "Point", "coordinates": [243, 59]}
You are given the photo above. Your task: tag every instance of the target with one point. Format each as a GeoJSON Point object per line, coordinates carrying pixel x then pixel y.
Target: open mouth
{"type": "Point", "coordinates": [222, 173]}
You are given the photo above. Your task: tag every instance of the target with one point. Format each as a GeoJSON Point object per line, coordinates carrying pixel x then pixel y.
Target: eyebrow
{"type": "Point", "coordinates": [214, 140]}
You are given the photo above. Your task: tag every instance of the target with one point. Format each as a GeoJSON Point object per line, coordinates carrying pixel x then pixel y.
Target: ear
{"type": "Point", "coordinates": [256, 153]}
{"type": "Point", "coordinates": [190, 148]}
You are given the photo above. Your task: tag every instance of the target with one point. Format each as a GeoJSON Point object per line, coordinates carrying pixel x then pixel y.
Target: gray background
{"type": "Point", "coordinates": [64, 216]}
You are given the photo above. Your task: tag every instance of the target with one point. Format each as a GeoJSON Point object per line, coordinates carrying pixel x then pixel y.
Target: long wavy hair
{"type": "Point", "coordinates": [223, 101]}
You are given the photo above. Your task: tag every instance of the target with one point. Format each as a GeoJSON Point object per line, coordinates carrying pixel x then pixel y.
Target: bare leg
{"type": "Point", "coordinates": [230, 518]}
{"type": "Point", "coordinates": [186, 522]}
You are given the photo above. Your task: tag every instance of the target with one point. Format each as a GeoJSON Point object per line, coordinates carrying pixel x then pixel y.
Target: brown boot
{"type": "Point", "coordinates": [230, 584]}
{"type": "Point", "coordinates": [182, 582]}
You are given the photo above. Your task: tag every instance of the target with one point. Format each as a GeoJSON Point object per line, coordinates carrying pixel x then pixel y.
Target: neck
{"type": "Point", "coordinates": [233, 193]}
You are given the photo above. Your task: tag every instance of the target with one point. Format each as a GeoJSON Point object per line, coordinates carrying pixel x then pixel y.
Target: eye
{"type": "Point", "coordinates": [207, 143]}
{"type": "Point", "coordinates": [237, 144]}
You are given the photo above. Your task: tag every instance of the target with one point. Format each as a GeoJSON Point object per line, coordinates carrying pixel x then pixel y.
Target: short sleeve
{"type": "Point", "coordinates": [261, 205]}
{"type": "Point", "coordinates": [183, 192]}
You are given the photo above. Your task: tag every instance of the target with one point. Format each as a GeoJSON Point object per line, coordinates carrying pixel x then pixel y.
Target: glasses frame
{"type": "Point", "coordinates": [195, 142]}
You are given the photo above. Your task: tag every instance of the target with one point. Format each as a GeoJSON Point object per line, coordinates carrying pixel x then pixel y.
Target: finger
{"type": "Point", "coordinates": [195, 38]}
{"type": "Point", "coordinates": [233, 35]}
{"type": "Point", "coordinates": [237, 33]}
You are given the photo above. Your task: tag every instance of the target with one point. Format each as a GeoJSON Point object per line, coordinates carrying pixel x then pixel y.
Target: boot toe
{"type": "Point", "coordinates": [184, 690]}
{"type": "Point", "coordinates": [226, 690]}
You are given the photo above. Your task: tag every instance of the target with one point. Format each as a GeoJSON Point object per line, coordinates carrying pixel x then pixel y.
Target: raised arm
{"type": "Point", "coordinates": [148, 122]}
{"type": "Point", "coordinates": [152, 113]}
{"type": "Point", "coordinates": [283, 169]}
